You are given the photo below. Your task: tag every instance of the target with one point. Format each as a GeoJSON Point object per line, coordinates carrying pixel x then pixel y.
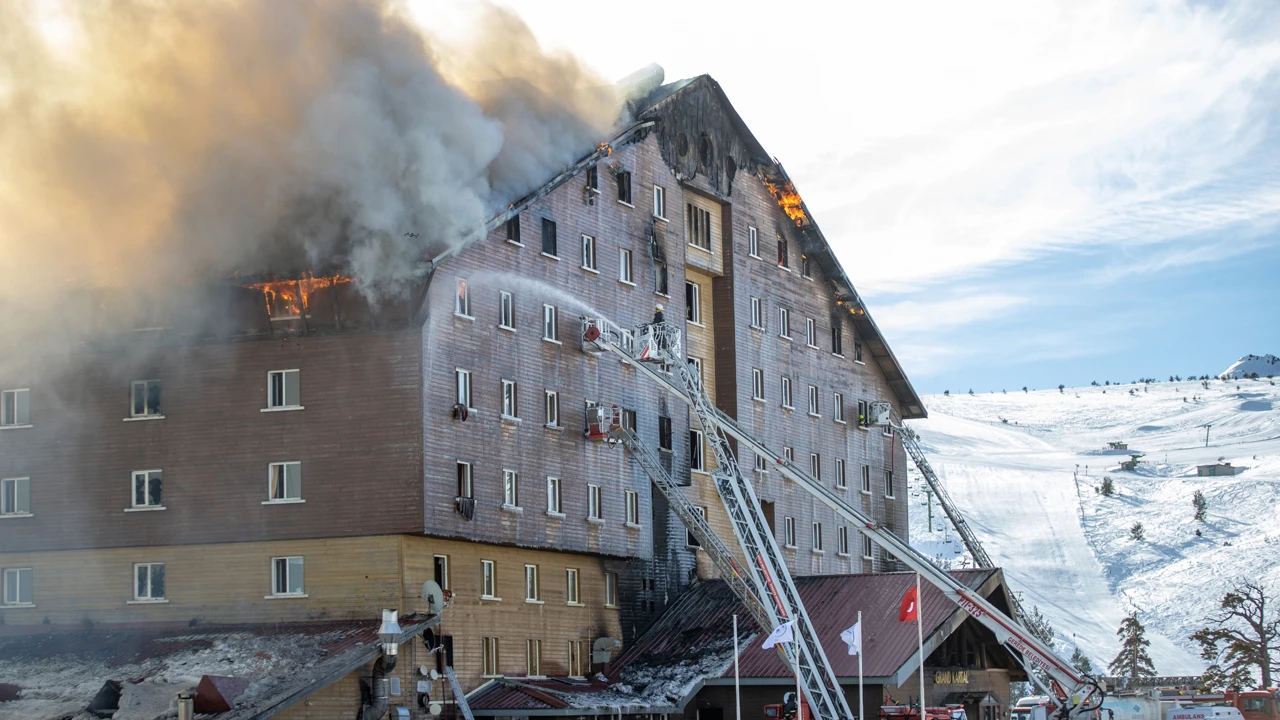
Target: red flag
{"type": "Point", "coordinates": [909, 610]}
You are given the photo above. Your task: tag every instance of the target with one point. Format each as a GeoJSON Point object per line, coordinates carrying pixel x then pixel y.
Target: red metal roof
{"type": "Point", "coordinates": [703, 616]}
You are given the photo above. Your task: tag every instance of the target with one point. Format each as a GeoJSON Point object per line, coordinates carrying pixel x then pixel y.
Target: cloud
{"type": "Point", "coordinates": [908, 316]}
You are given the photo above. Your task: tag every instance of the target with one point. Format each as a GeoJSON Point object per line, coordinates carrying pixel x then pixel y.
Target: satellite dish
{"type": "Point", "coordinates": [435, 708]}
{"type": "Point", "coordinates": [434, 674]}
{"type": "Point", "coordinates": [433, 596]}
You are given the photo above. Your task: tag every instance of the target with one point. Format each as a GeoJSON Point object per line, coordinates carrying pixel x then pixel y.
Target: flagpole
{"type": "Point", "coordinates": [861, 703]}
{"type": "Point", "coordinates": [737, 691]}
{"type": "Point", "coordinates": [920, 642]}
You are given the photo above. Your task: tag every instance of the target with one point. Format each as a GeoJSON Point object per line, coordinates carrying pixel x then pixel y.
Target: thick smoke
{"type": "Point", "coordinates": [156, 144]}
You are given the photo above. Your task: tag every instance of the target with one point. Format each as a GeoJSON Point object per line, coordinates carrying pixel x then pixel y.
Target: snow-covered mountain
{"type": "Point", "coordinates": [1024, 468]}
{"type": "Point", "coordinates": [1265, 366]}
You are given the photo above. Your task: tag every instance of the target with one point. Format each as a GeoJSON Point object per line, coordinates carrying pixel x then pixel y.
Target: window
{"type": "Point", "coordinates": [588, 253]}
{"type": "Point", "coordinates": [690, 540]}
{"type": "Point", "coordinates": [145, 396]}
{"type": "Point", "coordinates": [552, 404]}
{"type": "Point", "coordinates": [888, 483]}
{"type": "Point", "coordinates": [531, 583]}
{"type": "Point", "coordinates": [788, 453]}
{"type": "Point", "coordinates": [549, 323]}
{"type": "Point", "coordinates": [866, 547]}
{"type": "Point", "coordinates": [462, 301]}
{"type": "Point", "coordinates": [147, 487]}
{"type": "Point", "coordinates": [611, 589]}
{"type": "Point", "coordinates": [506, 310]}
{"type": "Point", "coordinates": [15, 496]}
{"type": "Point", "coordinates": [571, 586]}
{"type": "Point", "coordinates": [286, 576]}
{"type": "Point", "coordinates": [761, 464]}
{"type": "Point", "coordinates": [804, 267]}
{"type": "Point", "coordinates": [811, 332]}
{"type": "Point", "coordinates": [513, 230]}
{"type": "Point", "coordinates": [815, 466]}
{"type": "Point", "coordinates": [842, 540]}
{"type": "Point", "coordinates": [441, 568]}
{"type": "Point", "coordinates": [659, 202]}
{"type": "Point", "coordinates": [817, 536]}
{"type": "Point", "coordinates": [696, 460]}
{"type": "Point", "coordinates": [462, 382]}
{"type": "Point", "coordinates": [837, 407]}
{"type": "Point", "coordinates": [284, 481]}
{"type": "Point", "coordinates": [549, 238]}
{"type": "Point", "coordinates": [696, 365]}
{"type": "Point", "coordinates": [510, 488]}
{"type": "Point", "coordinates": [857, 351]}
{"type": "Point", "coordinates": [841, 481]}
{"type": "Point", "coordinates": [757, 384]}
{"type": "Point", "coordinates": [786, 392]}
{"type": "Point", "coordinates": [510, 399]}
{"type": "Point", "coordinates": [148, 581]}
{"type": "Point", "coordinates": [283, 389]}
{"type": "Point", "coordinates": [783, 260]}
{"type": "Point", "coordinates": [488, 580]}
{"type": "Point", "coordinates": [692, 302]}
{"type": "Point", "coordinates": [15, 408]}
{"type": "Point", "coordinates": [553, 495]}
{"type": "Point", "coordinates": [533, 657]}
{"type": "Point", "coordinates": [784, 323]}
{"type": "Point", "coordinates": [624, 187]}
{"type": "Point", "coordinates": [624, 266]}
{"type": "Point", "coordinates": [698, 226]}
{"type": "Point", "coordinates": [593, 179]}
{"type": "Point", "coordinates": [837, 339]}
{"type": "Point", "coordinates": [576, 666]}
{"type": "Point", "coordinates": [465, 487]}
{"type": "Point", "coordinates": [594, 509]}
{"type": "Point", "coordinates": [866, 479]}
{"type": "Point", "coordinates": [757, 314]}
{"type": "Point", "coordinates": [664, 433]}
{"type": "Point", "coordinates": [862, 413]}
{"type": "Point", "coordinates": [753, 242]}
{"type": "Point", "coordinates": [789, 531]}
{"type": "Point", "coordinates": [813, 400]}
{"type": "Point", "coordinates": [18, 587]}
{"type": "Point", "coordinates": [632, 499]}
{"type": "Point", "coordinates": [660, 278]}
{"type": "Point", "coordinates": [887, 431]}
{"type": "Point", "coordinates": [489, 657]}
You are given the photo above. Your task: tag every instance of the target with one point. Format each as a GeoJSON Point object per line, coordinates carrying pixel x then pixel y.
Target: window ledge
{"type": "Point", "coordinates": [512, 509]}
{"type": "Point", "coordinates": [842, 488]}
{"type": "Point", "coordinates": [758, 399]}
{"type": "Point", "coordinates": [842, 422]}
{"type": "Point", "coordinates": [758, 328]}
{"type": "Point", "coordinates": [575, 604]}
{"type": "Point", "coordinates": [789, 547]}
{"type": "Point", "coordinates": [788, 407]}
{"type": "Point", "coordinates": [17, 605]}
{"type": "Point", "coordinates": [696, 247]}
{"type": "Point", "coordinates": [754, 257]}
{"type": "Point", "coordinates": [517, 243]}
{"type": "Point", "coordinates": [816, 551]}
{"type": "Point", "coordinates": [553, 341]}
{"type": "Point", "coordinates": [282, 408]}
{"type": "Point", "coordinates": [788, 338]}
{"type": "Point", "coordinates": [286, 596]}
{"type": "Point", "coordinates": [556, 515]}
{"type": "Point", "coordinates": [839, 355]}
{"type": "Point", "coordinates": [16, 427]}
{"type": "Point", "coordinates": [624, 202]}
{"type": "Point", "coordinates": [460, 316]}
{"type": "Point", "coordinates": [859, 362]}
{"type": "Point", "coordinates": [549, 255]}
{"type": "Point", "coordinates": [490, 598]}
{"type": "Point", "coordinates": [148, 601]}
{"type": "Point", "coordinates": [843, 555]}
{"type": "Point", "coordinates": [665, 295]}
{"type": "Point", "coordinates": [7, 516]}
{"type": "Point", "coordinates": [863, 428]}
{"type": "Point", "coordinates": [557, 428]}
{"type": "Point", "coordinates": [507, 328]}
{"type": "Point", "coordinates": [659, 217]}
{"type": "Point", "coordinates": [510, 420]}
{"type": "Point", "coordinates": [866, 557]}
{"type": "Point", "coordinates": [595, 521]}
{"type": "Point", "coordinates": [815, 415]}
{"type": "Point", "coordinates": [145, 508]}
{"type": "Point", "coordinates": [700, 472]}
{"type": "Point", "coordinates": [626, 282]}
{"type": "Point", "coordinates": [695, 323]}
{"type": "Point", "coordinates": [285, 501]}
{"type": "Point", "coordinates": [591, 270]}
{"type": "Point", "coordinates": [784, 267]}
{"type": "Point", "coordinates": [632, 526]}
{"type": "Point", "coordinates": [534, 602]}
{"type": "Point", "coordinates": [865, 492]}
{"type": "Point", "coordinates": [144, 417]}
{"type": "Point", "coordinates": [890, 497]}
{"type": "Point", "coordinates": [811, 346]}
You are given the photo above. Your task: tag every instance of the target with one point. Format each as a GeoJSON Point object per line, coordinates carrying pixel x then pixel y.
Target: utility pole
{"type": "Point", "coordinates": [1206, 433]}
{"type": "Point", "coordinates": [929, 495]}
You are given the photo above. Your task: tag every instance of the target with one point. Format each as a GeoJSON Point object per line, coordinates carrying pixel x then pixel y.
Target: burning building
{"type": "Point", "coordinates": [306, 457]}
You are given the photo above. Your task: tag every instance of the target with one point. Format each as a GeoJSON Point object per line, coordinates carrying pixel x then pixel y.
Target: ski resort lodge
{"type": "Point", "coordinates": [229, 496]}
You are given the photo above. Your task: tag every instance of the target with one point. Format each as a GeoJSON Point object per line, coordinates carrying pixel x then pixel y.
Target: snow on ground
{"type": "Point", "coordinates": [1263, 365]}
{"type": "Point", "coordinates": [1023, 468]}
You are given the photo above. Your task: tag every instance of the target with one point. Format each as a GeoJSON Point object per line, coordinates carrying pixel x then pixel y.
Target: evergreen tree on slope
{"type": "Point", "coordinates": [1132, 661]}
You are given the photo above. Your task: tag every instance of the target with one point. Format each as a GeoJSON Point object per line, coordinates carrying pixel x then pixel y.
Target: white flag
{"type": "Point", "coordinates": [782, 633]}
{"type": "Point", "coordinates": [853, 638]}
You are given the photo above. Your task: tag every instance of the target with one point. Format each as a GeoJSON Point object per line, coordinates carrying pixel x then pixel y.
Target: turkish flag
{"type": "Point", "coordinates": [910, 608]}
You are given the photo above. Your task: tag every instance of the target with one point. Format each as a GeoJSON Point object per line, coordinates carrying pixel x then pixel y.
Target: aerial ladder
{"type": "Point", "coordinates": [654, 351]}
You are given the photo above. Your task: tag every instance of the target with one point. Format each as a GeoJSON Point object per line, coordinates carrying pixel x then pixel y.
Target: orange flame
{"type": "Point", "coordinates": [787, 197]}
{"type": "Point", "coordinates": [289, 299]}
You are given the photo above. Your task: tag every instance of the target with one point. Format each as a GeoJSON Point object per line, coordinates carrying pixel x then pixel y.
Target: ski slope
{"type": "Point", "coordinates": [1024, 468]}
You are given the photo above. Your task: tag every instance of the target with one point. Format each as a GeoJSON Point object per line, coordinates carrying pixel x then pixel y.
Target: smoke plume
{"type": "Point", "coordinates": [147, 143]}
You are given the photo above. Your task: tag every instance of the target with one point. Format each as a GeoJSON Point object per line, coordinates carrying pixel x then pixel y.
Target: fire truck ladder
{"type": "Point", "coordinates": [768, 567]}
{"type": "Point", "coordinates": [1080, 694]}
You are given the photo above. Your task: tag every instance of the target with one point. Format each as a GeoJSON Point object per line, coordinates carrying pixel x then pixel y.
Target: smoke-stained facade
{"type": "Point", "coordinates": [440, 435]}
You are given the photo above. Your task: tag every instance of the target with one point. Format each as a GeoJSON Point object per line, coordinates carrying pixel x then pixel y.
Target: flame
{"type": "Point", "coordinates": [288, 299]}
{"type": "Point", "coordinates": [787, 197]}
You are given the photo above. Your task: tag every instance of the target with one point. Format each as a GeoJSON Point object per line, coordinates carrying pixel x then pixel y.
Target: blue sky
{"type": "Point", "coordinates": [1025, 192]}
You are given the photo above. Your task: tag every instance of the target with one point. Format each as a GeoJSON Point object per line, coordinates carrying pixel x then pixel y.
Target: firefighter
{"type": "Point", "coordinates": [658, 318]}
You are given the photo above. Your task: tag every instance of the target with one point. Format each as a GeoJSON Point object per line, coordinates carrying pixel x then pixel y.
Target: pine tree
{"type": "Point", "coordinates": [1137, 532]}
{"type": "Point", "coordinates": [1201, 505]}
{"type": "Point", "coordinates": [1244, 635]}
{"type": "Point", "coordinates": [1081, 662]}
{"type": "Point", "coordinates": [1132, 661]}
{"type": "Point", "coordinates": [1039, 626]}
{"type": "Point", "coordinates": [1108, 486]}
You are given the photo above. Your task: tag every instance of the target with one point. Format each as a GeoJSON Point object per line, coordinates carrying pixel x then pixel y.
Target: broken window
{"type": "Point", "coordinates": [664, 433]}
{"type": "Point", "coordinates": [284, 389]}
{"type": "Point", "coordinates": [660, 278]}
{"type": "Point", "coordinates": [593, 179]}
{"type": "Point", "coordinates": [285, 481]}
{"type": "Point", "coordinates": [696, 460]}
{"type": "Point", "coordinates": [15, 496]}
{"type": "Point", "coordinates": [147, 489]}
{"type": "Point", "coordinates": [783, 260]}
{"type": "Point", "coordinates": [513, 230]}
{"type": "Point", "coordinates": [624, 187]}
{"type": "Point", "coordinates": [148, 581]}
{"type": "Point", "coordinates": [698, 226]}
{"type": "Point", "coordinates": [15, 408]}
{"type": "Point", "coordinates": [286, 575]}
{"type": "Point", "coordinates": [549, 238]}
{"type": "Point", "coordinates": [462, 301]}
{"type": "Point", "coordinates": [145, 396]}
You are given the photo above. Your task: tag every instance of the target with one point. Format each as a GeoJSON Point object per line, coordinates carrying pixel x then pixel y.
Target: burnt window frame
{"type": "Point", "coordinates": [550, 243]}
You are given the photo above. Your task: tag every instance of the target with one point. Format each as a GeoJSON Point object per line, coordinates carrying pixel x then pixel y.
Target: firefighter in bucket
{"type": "Point", "coordinates": [654, 338]}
